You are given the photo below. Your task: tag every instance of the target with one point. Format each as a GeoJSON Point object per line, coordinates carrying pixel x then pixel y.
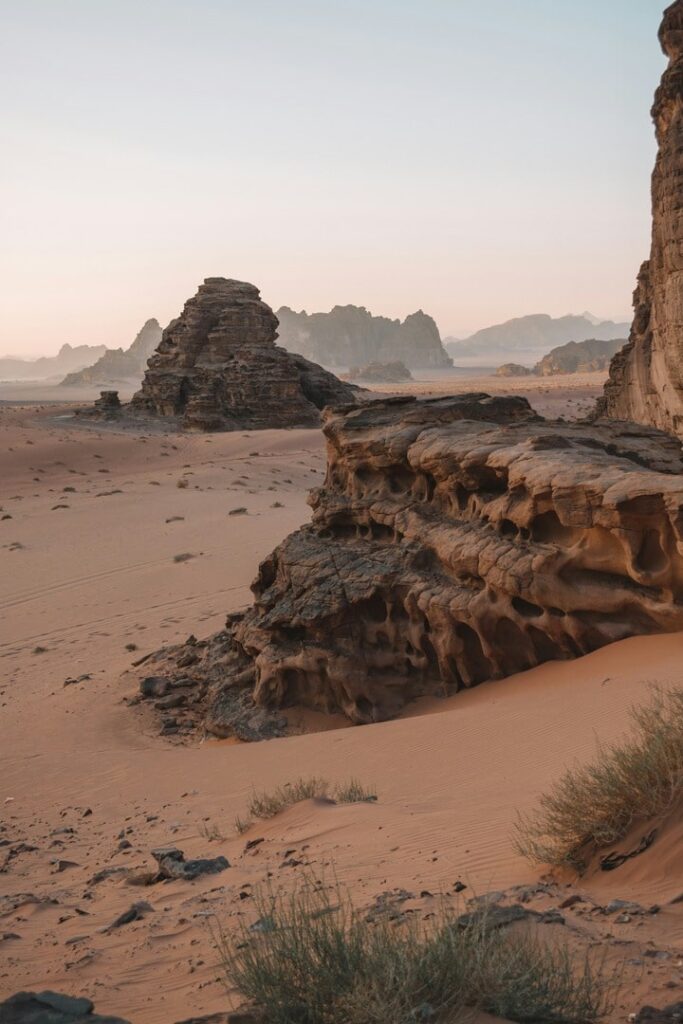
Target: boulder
{"type": "Point", "coordinates": [51, 1008]}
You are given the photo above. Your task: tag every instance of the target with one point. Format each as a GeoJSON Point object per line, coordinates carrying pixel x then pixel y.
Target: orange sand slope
{"type": "Point", "coordinates": [83, 581]}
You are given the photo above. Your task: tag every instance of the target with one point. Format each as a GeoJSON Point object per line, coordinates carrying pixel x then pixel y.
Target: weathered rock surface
{"type": "Point", "coordinates": [646, 377]}
{"type": "Point", "coordinates": [381, 373]}
{"type": "Point", "coordinates": [51, 1008]}
{"type": "Point", "coordinates": [119, 364]}
{"type": "Point", "coordinates": [218, 368]}
{"type": "Point", "coordinates": [579, 357]}
{"type": "Point", "coordinates": [454, 541]}
{"type": "Point", "coordinates": [351, 336]}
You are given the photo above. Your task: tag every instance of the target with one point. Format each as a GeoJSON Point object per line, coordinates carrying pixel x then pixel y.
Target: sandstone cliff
{"type": "Point", "coordinates": [351, 336]}
{"type": "Point", "coordinates": [217, 367]}
{"type": "Point", "coordinates": [454, 540]}
{"type": "Point", "coordinates": [646, 377]}
{"type": "Point", "coordinates": [119, 364]}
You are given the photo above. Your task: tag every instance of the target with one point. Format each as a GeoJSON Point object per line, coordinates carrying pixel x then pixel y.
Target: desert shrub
{"type": "Point", "coordinates": [593, 806]}
{"type": "Point", "coordinates": [314, 960]}
{"type": "Point", "coordinates": [267, 805]}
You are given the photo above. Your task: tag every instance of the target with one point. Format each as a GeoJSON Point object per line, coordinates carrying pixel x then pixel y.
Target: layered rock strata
{"type": "Point", "coordinates": [454, 541]}
{"type": "Point", "coordinates": [646, 378]}
{"type": "Point", "coordinates": [217, 367]}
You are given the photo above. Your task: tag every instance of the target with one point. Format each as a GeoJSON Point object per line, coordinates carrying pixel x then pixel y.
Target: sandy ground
{"type": "Point", "coordinates": [86, 783]}
{"type": "Point", "coordinates": [571, 396]}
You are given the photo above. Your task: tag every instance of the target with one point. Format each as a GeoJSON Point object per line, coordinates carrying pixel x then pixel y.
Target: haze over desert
{"type": "Point", "coordinates": [341, 654]}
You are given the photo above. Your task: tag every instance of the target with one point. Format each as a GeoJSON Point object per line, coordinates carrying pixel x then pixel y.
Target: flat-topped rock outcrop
{"type": "Point", "coordinates": [454, 541]}
{"type": "Point", "coordinates": [217, 367]}
{"type": "Point", "coordinates": [646, 377]}
{"type": "Point", "coordinates": [351, 336]}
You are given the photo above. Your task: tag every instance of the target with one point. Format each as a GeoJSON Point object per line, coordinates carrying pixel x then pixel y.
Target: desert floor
{"type": "Point", "coordinates": [87, 570]}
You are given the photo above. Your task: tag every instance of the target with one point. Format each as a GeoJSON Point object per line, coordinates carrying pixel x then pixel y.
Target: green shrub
{"type": "Point", "coordinates": [593, 806]}
{"type": "Point", "coordinates": [314, 960]}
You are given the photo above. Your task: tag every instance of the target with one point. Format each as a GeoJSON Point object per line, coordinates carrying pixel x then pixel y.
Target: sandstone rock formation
{"type": "Point", "coordinates": [351, 336]}
{"type": "Point", "coordinates": [455, 540]}
{"type": "Point", "coordinates": [513, 370]}
{"type": "Point", "coordinates": [217, 367]}
{"type": "Point", "coordinates": [381, 373]}
{"type": "Point", "coordinates": [646, 378]}
{"type": "Point", "coordinates": [579, 357]}
{"type": "Point", "coordinates": [119, 364]}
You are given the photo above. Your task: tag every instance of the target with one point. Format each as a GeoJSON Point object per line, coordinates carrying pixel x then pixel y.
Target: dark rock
{"type": "Point", "coordinates": [51, 1008]}
{"type": "Point", "coordinates": [154, 686]}
{"type": "Point", "coordinates": [671, 1014]}
{"type": "Point", "coordinates": [172, 864]}
{"type": "Point", "coordinates": [134, 913]}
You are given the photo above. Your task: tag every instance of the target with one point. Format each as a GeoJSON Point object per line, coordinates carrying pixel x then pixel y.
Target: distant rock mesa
{"type": "Point", "coordinates": [217, 367]}
{"type": "Point", "coordinates": [351, 336]}
{"type": "Point", "coordinates": [646, 378]}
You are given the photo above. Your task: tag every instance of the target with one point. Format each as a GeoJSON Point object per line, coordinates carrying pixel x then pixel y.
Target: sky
{"type": "Point", "coordinates": [477, 160]}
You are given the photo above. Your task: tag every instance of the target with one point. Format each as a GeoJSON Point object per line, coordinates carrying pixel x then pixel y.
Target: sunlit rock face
{"type": "Point", "coordinates": [646, 377]}
{"type": "Point", "coordinates": [454, 541]}
{"type": "Point", "coordinates": [217, 367]}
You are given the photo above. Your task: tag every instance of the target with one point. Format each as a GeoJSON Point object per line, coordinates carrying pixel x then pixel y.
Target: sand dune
{"type": "Point", "coordinates": [79, 583]}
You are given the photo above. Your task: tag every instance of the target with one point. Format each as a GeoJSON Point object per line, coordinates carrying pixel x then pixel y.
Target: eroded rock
{"type": "Point", "coordinates": [454, 541]}
{"type": "Point", "coordinates": [217, 367]}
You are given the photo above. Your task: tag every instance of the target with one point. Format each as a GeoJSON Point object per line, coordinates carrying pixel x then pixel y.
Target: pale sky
{"type": "Point", "coordinates": [476, 160]}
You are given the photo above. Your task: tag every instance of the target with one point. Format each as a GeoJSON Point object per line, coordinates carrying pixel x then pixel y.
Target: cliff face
{"type": "Point", "coordinates": [351, 336]}
{"type": "Point", "coordinates": [646, 377]}
{"type": "Point", "coordinates": [454, 541]}
{"type": "Point", "coordinates": [120, 364]}
{"type": "Point", "coordinates": [217, 367]}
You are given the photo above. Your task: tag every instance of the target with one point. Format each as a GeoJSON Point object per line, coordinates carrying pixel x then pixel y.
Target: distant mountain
{"type": "Point", "coordinates": [351, 336]}
{"type": "Point", "coordinates": [579, 357]}
{"type": "Point", "coordinates": [532, 336]}
{"type": "Point", "coordinates": [118, 364]}
{"type": "Point", "coordinates": [67, 359]}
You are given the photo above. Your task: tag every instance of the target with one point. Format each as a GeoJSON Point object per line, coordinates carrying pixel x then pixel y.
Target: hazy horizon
{"type": "Point", "coordinates": [478, 163]}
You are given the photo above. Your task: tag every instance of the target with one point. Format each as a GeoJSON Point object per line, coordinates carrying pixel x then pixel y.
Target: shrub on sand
{"type": "Point", "coordinates": [593, 806]}
{"type": "Point", "coordinates": [267, 805]}
{"type": "Point", "coordinates": [314, 960]}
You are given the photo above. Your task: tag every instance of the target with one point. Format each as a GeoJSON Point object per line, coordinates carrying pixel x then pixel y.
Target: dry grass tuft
{"type": "Point", "coordinates": [267, 805]}
{"type": "Point", "coordinates": [593, 806]}
{"type": "Point", "coordinates": [311, 959]}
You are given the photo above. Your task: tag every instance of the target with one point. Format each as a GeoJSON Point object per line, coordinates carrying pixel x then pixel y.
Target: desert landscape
{"type": "Point", "coordinates": [341, 661]}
